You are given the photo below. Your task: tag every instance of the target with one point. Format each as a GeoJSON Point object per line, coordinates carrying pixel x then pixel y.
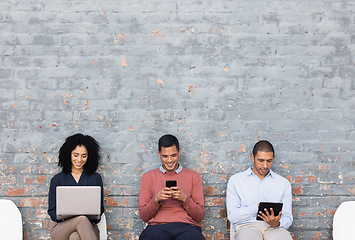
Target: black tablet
{"type": "Point", "coordinates": [277, 207]}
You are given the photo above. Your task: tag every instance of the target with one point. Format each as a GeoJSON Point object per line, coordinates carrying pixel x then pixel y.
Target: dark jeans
{"type": "Point", "coordinates": [172, 231]}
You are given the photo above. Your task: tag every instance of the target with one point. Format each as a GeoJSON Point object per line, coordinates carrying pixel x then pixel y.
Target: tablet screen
{"type": "Point", "coordinates": [277, 207]}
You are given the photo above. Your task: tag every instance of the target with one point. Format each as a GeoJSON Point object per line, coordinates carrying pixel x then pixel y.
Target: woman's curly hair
{"type": "Point", "coordinates": [71, 142]}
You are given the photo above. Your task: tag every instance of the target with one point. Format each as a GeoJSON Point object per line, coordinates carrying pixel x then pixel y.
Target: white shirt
{"type": "Point", "coordinates": [245, 190]}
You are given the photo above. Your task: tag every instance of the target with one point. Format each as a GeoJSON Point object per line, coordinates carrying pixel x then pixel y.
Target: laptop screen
{"type": "Point", "coordinates": [78, 200]}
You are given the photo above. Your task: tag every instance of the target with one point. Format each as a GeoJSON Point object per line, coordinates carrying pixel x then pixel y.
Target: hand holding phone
{"type": "Point", "coordinates": [166, 192]}
{"type": "Point", "coordinates": [178, 193]}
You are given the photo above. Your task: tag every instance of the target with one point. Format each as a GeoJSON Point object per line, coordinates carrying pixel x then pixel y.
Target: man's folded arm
{"type": "Point", "coordinates": [194, 205]}
{"type": "Point", "coordinates": [236, 213]}
{"type": "Point", "coordinates": [147, 205]}
{"type": "Point", "coordinates": [287, 217]}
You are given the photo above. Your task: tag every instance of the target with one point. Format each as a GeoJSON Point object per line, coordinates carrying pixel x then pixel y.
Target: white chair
{"type": "Point", "coordinates": [231, 231]}
{"type": "Point", "coordinates": [343, 221]}
{"type": "Point", "coordinates": [10, 221]}
{"type": "Point", "coordinates": [102, 227]}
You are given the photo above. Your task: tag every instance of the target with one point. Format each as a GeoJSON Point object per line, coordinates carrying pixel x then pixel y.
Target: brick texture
{"type": "Point", "coordinates": [217, 74]}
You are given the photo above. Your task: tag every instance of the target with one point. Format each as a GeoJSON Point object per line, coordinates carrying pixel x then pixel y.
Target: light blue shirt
{"type": "Point", "coordinates": [245, 190]}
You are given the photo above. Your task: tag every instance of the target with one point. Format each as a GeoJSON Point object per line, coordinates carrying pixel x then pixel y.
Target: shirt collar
{"type": "Point", "coordinates": [250, 172]}
{"type": "Point", "coordinates": [177, 171]}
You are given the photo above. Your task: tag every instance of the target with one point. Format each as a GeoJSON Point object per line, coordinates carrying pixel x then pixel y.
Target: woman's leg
{"type": "Point", "coordinates": [81, 224]}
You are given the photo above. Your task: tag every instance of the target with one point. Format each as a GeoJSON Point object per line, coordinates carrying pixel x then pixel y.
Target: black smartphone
{"type": "Point", "coordinates": [277, 207]}
{"type": "Point", "coordinates": [171, 183]}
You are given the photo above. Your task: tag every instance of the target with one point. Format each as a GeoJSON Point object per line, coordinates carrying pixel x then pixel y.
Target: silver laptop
{"type": "Point", "coordinates": [78, 200]}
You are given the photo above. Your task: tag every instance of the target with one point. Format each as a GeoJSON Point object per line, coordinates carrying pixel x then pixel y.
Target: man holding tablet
{"type": "Point", "coordinates": [171, 197]}
{"type": "Point", "coordinates": [259, 186]}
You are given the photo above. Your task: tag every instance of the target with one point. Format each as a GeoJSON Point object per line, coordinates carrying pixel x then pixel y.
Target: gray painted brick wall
{"type": "Point", "coordinates": [217, 74]}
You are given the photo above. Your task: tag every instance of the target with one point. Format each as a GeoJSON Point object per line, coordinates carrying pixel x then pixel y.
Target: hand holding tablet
{"type": "Point", "coordinates": [276, 207]}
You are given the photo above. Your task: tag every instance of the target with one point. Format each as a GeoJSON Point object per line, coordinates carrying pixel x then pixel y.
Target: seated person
{"type": "Point", "coordinates": [259, 184]}
{"type": "Point", "coordinates": [79, 160]}
{"type": "Point", "coordinates": [172, 213]}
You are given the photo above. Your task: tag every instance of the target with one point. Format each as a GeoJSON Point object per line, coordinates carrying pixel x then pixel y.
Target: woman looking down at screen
{"type": "Point", "coordinates": [79, 159]}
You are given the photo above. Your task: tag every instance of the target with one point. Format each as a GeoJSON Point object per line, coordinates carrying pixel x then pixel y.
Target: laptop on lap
{"type": "Point", "coordinates": [73, 201]}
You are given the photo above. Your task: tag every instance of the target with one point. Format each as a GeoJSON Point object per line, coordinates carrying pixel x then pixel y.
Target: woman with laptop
{"type": "Point", "coordinates": [79, 159]}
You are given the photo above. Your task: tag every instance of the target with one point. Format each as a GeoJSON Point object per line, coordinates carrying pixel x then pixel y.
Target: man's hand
{"type": "Point", "coordinates": [270, 218]}
{"type": "Point", "coordinates": [178, 194]}
{"type": "Point", "coordinates": [163, 194]}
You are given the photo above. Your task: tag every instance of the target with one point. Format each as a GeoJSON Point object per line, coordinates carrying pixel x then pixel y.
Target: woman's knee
{"type": "Point", "coordinates": [74, 236]}
{"type": "Point", "coordinates": [82, 220]}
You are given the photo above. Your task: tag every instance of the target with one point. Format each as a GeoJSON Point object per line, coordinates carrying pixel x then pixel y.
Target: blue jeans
{"type": "Point", "coordinates": [172, 231]}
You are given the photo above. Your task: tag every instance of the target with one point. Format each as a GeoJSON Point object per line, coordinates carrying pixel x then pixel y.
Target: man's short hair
{"type": "Point", "coordinates": [168, 140]}
{"type": "Point", "coordinates": [263, 146]}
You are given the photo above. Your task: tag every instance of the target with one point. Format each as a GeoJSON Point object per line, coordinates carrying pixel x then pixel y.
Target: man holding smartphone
{"type": "Point", "coordinates": [247, 189]}
{"type": "Point", "coordinates": [171, 197]}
